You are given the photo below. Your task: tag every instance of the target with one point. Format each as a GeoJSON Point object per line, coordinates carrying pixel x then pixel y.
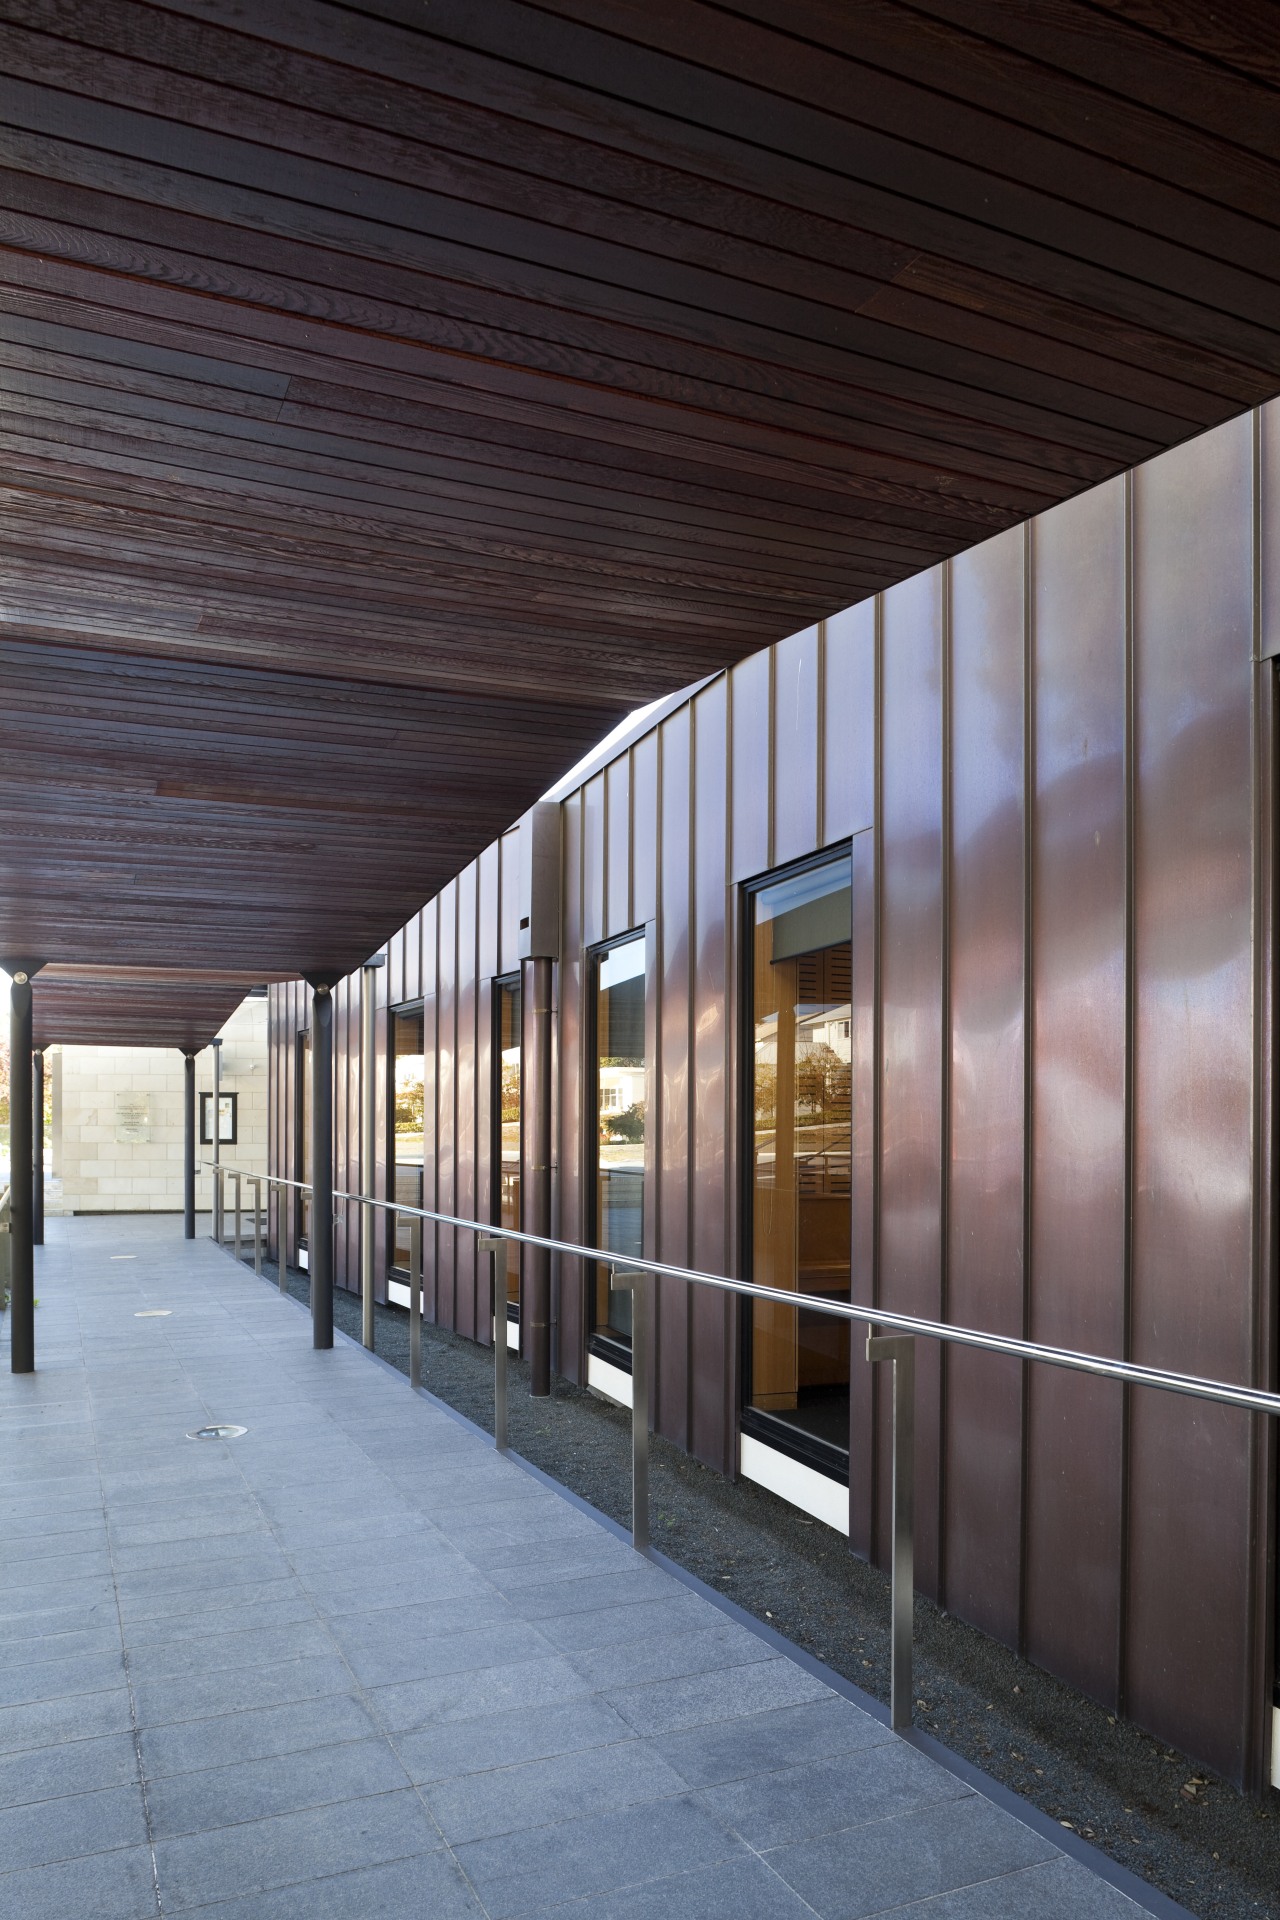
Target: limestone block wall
{"type": "Point", "coordinates": [118, 1119]}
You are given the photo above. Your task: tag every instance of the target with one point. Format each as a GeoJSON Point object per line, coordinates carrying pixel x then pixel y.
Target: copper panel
{"type": "Point", "coordinates": [644, 829]}
{"type": "Point", "coordinates": [470, 1321]}
{"type": "Point", "coordinates": [412, 961]}
{"type": "Point", "coordinates": [395, 968]}
{"type": "Point", "coordinates": [382, 1229]}
{"type": "Point", "coordinates": [593, 861]}
{"type": "Point", "coordinates": [446, 1097]}
{"type": "Point", "coordinates": [510, 855]}
{"type": "Point", "coordinates": [797, 746]}
{"type": "Point", "coordinates": [673, 1003]}
{"type": "Point", "coordinates": [618, 847]}
{"type": "Point", "coordinates": [848, 721]}
{"type": "Point", "coordinates": [1189, 1597]}
{"type": "Point", "coordinates": [862, 1275]}
{"type": "Point", "coordinates": [983, 1435]}
{"type": "Point", "coordinates": [750, 757]}
{"type": "Point", "coordinates": [567, 1280]}
{"type": "Point", "coordinates": [1268, 418]}
{"type": "Point", "coordinates": [712, 1357]}
{"type": "Point", "coordinates": [1075, 1426]}
{"type": "Point", "coordinates": [488, 909]}
{"type": "Point", "coordinates": [911, 985]}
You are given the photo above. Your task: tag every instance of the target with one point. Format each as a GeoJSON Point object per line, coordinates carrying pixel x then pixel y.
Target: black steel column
{"type": "Point", "coordinates": [538, 1211]}
{"type": "Point", "coordinates": [321, 1248]}
{"type": "Point", "coordinates": [37, 1148]}
{"type": "Point", "coordinates": [22, 1315]}
{"type": "Point", "coordinates": [189, 1139]}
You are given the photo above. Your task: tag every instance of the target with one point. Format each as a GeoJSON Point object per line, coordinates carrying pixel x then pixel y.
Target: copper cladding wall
{"type": "Point", "coordinates": [1053, 758]}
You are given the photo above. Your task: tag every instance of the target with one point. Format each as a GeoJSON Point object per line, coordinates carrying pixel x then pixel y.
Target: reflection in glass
{"type": "Point", "coordinates": [407, 1122]}
{"type": "Point", "coordinates": [620, 1121]}
{"type": "Point", "coordinates": [801, 1201]}
{"type": "Point", "coordinates": [507, 1107]}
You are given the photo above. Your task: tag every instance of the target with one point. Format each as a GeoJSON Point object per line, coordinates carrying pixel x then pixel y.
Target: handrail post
{"type": "Point", "coordinates": [257, 1227]}
{"type": "Point", "coordinates": [282, 1236]}
{"type": "Point", "coordinates": [901, 1350]}
{"type": "Point", "coordinates": [219, 1194]}
{"type": "Point", "coordinates": [415, 1304]}
{"type": "Point", "coordinates": [236, 1178]}
{"type": "Point", "coordinates": [638, 1286]}
{"type": "Point", "coordinates": [494, 1243]}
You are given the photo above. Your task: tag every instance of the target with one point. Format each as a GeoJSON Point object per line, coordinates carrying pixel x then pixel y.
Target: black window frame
{"type": "Point", "coordinates": [604, 1346]}
{"type": "Point", "coordinates": [500, 984]}
{"type": "Point", "coordinates": [807, 1449]}
{"type": "Point", "coordinates": [401, 1008]}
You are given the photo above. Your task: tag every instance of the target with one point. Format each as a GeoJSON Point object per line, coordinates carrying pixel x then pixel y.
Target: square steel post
{"type": "Point", "coordinates": [321, 1248]}
{"type": "Point", "coordinates": [368, 1141]}
{"type": "Point", "coordinates": [22, 1315]}
{"type": "Point", "coordinates": [189, 1136]}
{"type": "Point", "coordinates": [415, 1304]}
{"type": "Point", "coordinates": [901, 1350]}
{"type": "Point", "coordinates": [536, 1300]}
{"type": "Point", "coordinates": [37, 1148]}
{"type": "Point", "coordinates": [282, 1239]}
{"type": "Point", "coordinates": [217, 1140]}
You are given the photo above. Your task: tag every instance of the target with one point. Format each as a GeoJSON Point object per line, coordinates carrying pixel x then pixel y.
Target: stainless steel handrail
{"type": "Point", "coordinates": [890, 1336]}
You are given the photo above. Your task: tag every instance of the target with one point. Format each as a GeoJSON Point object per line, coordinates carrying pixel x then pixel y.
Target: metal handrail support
{"type": "Point", "coordinates": [494, 1243]}
{"type": "Point", "coordinates": [236, 1243]}
{"type": "Point", "coordinates": [628, 1280]}
{"type": "Point", "coordinates": [282, 1237]}
{"type": "Point", "coordinates": [257, 1225]}
{"type": "Point", "coordinates": [900, 1350]}
{"type": "Point", "coordinates": [415, 1304]}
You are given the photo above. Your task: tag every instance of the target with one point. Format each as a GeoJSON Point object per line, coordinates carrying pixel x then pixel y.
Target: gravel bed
{"type": "Point", "coordinates": [1148, 1806]}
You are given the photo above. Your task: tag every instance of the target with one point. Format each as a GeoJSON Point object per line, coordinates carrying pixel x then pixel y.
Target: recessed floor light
{"type": "Point", "coordinates": [217, 1433]}
{"type": "Point", "coordinates": [124, 1256]}
{"type": "Point", "coordinates": [154, 1313]}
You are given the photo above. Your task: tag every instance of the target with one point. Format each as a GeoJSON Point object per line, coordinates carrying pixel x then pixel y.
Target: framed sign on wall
{"type": "Point", "coordinates": [227, 1119]}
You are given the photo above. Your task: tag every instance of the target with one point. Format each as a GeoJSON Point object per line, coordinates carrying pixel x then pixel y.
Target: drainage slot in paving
{"type": "Point", "coordinates": [217, 1433]}
{"type": "Point", "coordinates": [154, 1313]}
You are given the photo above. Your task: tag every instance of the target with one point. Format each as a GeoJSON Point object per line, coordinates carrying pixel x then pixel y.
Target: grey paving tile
{"type": "Point", "coordinates": [671, 1656]}
{"type": "Point", "coordinates": [245, 1647]}
{"type": "Point", "coordinates": [283, 1783]}
{"type": "Point", "coordinates": [698, 1698]}
{"type": "Point", "coordinates": [292, 1609]}
{"type": "Point", "coordinates": [200, 1696]}
{"type": "Point", "coordinates": [229, 1862]}
{"type": "Point", "coordinates": [765, 1742]}
{"type": "Point", "coordinates": [586, 1594]}
{"type": "Point", "coordinates": [426, 1887]}
{"type": "Point", "coordinates": [34, 1623]}
{"type": "Point", "coordinates": [595, 1855]}
{"type": "Point", "coordinates": [63, 1829]}
{"type": "Point", "coordinates": [731, 1890]}
{"type": "Point", "coordinates": [49, 1679]}
{"type": "Point", "coordinates": [565, 1787]}
{"type": "Point", "coordinates": [671, 1612]}
{"type": "Point", "coordinates": [73, 1766]}
{"type": "Point", "coordinates": [463, 1696]}
{"type": "Point", "coordinates": [254, 1734]}
{"type": "Point", "coordinates": [1060, 1889]}
{"type": "Point", "coordinates": [21, 1652]}
{"type": "Point", "coordinates": [445, 1750]}
{"type": "Point", "coordinates": [76, 1716]}
{"type": "Point", "coordinates": [381, 1665]}
{"type": "Point", "coordinates": [935, 1849]}
{"type": "Point", "coordinates": [822, 1796]}
{"type": "Point", "coordinates": [102, 1886]}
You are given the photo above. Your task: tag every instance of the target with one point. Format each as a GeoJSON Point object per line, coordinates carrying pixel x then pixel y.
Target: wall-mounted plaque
{"type": "Point", "coordinates": [133, 1118]}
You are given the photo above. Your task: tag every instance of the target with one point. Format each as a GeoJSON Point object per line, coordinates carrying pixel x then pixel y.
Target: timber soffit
{"type": "Point", "coordinates": [385, 407]}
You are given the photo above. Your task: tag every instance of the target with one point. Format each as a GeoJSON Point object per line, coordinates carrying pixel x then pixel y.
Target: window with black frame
{"type": "Point", "coordinates": [407, 1124]}
{"type": "Point", "coordinates": [506, 1110]}
{"type": "Point", "coordinates": [799, 1111]}
{"type": "Point", "coordinates": [616, 1187]}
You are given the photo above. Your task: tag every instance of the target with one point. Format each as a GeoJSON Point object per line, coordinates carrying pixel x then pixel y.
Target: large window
{"type": "Point", "coordinates": [506, 1109]}
{"type": "Point", "coordinates": [800, 1222]}
{"type": "Point", "coordinates": [407, 1120]}
{"type": "Point", "coordinates": [618, 1123]}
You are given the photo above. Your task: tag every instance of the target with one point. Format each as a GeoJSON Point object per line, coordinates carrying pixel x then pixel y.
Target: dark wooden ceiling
{"type": "Point", "coordinates": [132, 1007]}
{"type": "Point", "coordinates": [392, 395]}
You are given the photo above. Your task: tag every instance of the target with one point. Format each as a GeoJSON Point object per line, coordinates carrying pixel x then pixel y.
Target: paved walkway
{"type": "Point", "coordinates": [355, 1664]}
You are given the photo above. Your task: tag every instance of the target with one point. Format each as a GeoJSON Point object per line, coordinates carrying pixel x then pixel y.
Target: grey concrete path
{"type": "Point", "coordinates": [355, 1664]}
